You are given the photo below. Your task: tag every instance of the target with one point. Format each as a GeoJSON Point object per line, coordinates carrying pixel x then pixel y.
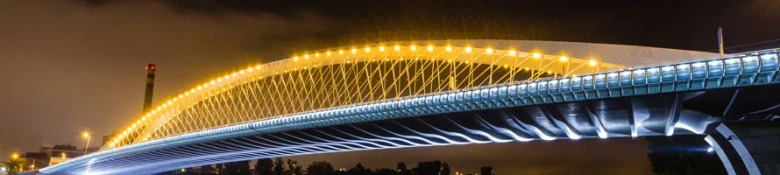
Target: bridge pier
{"type": "Point", "coordinates": [747, 147]}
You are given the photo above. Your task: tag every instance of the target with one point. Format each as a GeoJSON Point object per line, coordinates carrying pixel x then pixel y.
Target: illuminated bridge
{"type": "Point", "coordinates": [434, 93]}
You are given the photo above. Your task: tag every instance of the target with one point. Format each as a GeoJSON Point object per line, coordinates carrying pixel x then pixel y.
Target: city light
{"type": "Point", "coordinates": [14, 156]}
{"type": "Point", "coordinates": [489, 51]}
{"type": "Point", "coordinates": [449, 48]}
{"type": "Point", "coordinates": [468, 49]}
{"type": "Point", "coordinates": [537, 55]}
{"type": "Point", "coordinates": [512, 53]}
{"type": "Point", "coordinates": [564, 59]}
{"type": "Point", "coordinates": [592, 62]}
{"type": "Point", "coordinates": [88, 137]}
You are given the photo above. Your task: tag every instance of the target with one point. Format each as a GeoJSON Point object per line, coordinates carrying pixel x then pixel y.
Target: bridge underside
{"type": "Point", "coordinates": [650, 115]}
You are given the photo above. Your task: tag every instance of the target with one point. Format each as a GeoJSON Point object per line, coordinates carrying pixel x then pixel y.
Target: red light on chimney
{"type": "Point", "coordinates": [150, 67]}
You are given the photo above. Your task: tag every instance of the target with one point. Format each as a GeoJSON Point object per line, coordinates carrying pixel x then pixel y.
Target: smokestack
{"type": "Point", "coordinates": [150, 69]}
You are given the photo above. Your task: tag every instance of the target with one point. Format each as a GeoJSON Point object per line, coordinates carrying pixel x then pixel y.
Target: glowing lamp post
{"type": "Point", "coordinates": [87, 136]}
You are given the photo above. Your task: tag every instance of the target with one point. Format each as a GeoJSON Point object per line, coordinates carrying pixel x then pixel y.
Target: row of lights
{"type": "Point", "coordinates": [129, 130]}
{"type": "Point", "coordinates": [535, 55]}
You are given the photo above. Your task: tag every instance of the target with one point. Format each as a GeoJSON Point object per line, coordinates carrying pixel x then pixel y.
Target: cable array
{"type": "Point", "coordinates": [342, 77]}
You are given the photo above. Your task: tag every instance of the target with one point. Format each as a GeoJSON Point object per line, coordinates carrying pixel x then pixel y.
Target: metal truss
{"type": "Point", "coordinates": [343, 77]}
{"type": "Point", "coordinates": [610, 104]}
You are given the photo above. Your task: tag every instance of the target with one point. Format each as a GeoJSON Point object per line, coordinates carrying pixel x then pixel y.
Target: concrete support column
{"type": "Point", "coordinates": [747, 147]}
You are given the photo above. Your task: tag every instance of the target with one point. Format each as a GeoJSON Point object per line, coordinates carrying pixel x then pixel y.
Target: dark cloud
{"type": "Point", "coordinates": [72, 67]}
{"type": "Point", "coordinates": [666, 23]}
{"type": "Point", "coordinates": [211, 7]}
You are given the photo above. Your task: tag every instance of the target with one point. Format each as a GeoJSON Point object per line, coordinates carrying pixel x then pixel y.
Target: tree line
{"type": "Point", "coordinates": [290, 167]}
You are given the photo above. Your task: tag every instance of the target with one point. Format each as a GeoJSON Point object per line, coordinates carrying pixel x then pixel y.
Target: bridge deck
{"type": "Point", "coordinates": [630, 103]}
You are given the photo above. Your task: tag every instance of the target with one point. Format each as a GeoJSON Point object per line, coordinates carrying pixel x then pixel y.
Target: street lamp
{"type": "Point", "coordinates": [86, 135]}
{"type": "Point", "coordinates": [14, 156]}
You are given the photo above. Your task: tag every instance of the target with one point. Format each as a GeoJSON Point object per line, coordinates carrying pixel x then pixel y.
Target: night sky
{"type": "Point", "coordinates": [67, 66]}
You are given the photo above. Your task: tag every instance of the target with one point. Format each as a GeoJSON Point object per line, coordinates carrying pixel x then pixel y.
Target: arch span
{"type": "Point", "coordinates": [345, 76]}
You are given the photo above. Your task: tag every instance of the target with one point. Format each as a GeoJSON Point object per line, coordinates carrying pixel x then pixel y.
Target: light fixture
{"type": "Point", "coordinates": [592, 62]}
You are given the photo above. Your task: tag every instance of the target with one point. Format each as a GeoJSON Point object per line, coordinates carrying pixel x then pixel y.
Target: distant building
{"type": "Point", "coordinates": [68, 151]}
{"type": "Point", "coordinates": [57, 160]}
{"type": "Point", "coordinates": [48, 156]}
{"type": "Point", "coordinates": [33, 160]}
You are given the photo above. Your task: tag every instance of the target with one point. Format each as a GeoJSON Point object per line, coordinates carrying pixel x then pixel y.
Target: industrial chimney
{"type": "Point", "coordinates": [150, 69]}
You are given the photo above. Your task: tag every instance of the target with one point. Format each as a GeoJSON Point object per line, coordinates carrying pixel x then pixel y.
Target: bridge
{"type": "Point", "coordinates": [435, 93]}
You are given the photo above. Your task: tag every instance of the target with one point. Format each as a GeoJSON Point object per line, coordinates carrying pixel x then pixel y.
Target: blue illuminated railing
{"type": "Point", "coordinates": [755, 69]}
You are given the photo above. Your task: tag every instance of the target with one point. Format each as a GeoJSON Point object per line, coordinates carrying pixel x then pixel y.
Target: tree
{"type": "Point", "coordinates": [187, 171]}
{"type": "Point", "coordinates": [320, 168]}
{"type": "Point", "coordinates": [279, 167]}
{"type": "Point", "coordinates": [486, 170]}
{"type": "Point", "coordinates": [385, 171]}
{"type": "Point", "coordinates": [264, 166]}
{"type": "Point", "coordinates": [359, 170]}
{"type": "Point", "coordinates": [12, 167]}
{"type": "Point", "coordinates": [293, 168]}
{"type": "Point", "coordinates": [220, 168]}
{"type": "Point", "coordinates": [207, 170]}
{"type": "Point", "coordinates": [445, 169]}
{"type": "Point", "coordinates": [428, 168]}
{"type": "Point", "coordinates": [401, 168]}
{"type": "Point", "coordinates": [237, 168]}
